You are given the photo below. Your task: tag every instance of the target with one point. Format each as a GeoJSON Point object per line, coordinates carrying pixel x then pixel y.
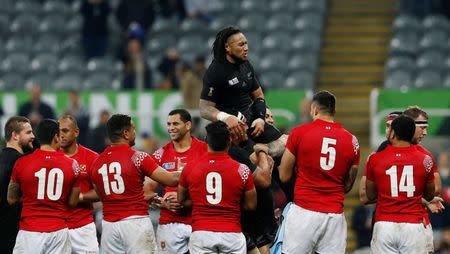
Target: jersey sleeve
{"type": "Point", "coordinates": [292, 142]}
{"type": "Point", "coordinates": [369, 169]}
{"type": "Point", "coordinates": [241, 155]}
{"type": "Point", "coordinates": [157, 155]}
{"type": "Point", "coordinates": [356, 150]}
{"type": "Point", "coordinates": [211, 82]}
{"type": "Point", "coordinates": [429, 165]}
{"type": "Point", "coordinates": [255, 84]}
{"type": "Point", "coordinates": [246, 177]}
{"type": "Point", "coordinates": [183, 177]}
{"type": "Point", "coordinates": [144, 162]}
{"type": "Point", "coordinates": [77, 180]}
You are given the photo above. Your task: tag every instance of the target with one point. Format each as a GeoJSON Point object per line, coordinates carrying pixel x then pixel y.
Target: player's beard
{"type": "Point", "coordinates": [132, 142]}
{"type": "Point", "coordinates": [237, 59]}
{"type": "Point", "coordinates": [26, 145]}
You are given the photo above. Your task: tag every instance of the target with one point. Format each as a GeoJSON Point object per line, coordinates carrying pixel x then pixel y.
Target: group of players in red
{"type": "Point", "coordinates": [205, 189]}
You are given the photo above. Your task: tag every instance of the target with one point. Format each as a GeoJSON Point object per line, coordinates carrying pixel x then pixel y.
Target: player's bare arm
{"type": "Point", "coordinates": [435, 205]}
{"type": "Point", "coordinates": [183, 195]}
{"type": "Point", "coordinates": [350, 178]}
{"type": "Point", "coordinates": [286, 168]}
{"type": "Point", "coordinates": [74, 197]}
{"type": "Point", "coordinates": [362, 192]}
{"type": "Point", "coordinates": [14, 195]}
{"type": "Point", "coordinates": [208, 110]}
{"type": "Point", "coordinates": [164, 177]}
{"type": "Point", "coordinates": [429, 192]}
{"type": "Point", "coordinates": [89, 196]}
{"type": "Point", "coordinates": [262, 176]}
{"type": "Point", "coordinates": [371, 191]}
{"type": "Point", "coordinates": [249, 202]}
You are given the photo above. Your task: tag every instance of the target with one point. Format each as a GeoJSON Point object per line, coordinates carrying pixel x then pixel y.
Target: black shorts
{"type": "Point", "coordinates": [271, 133]}
{"type": "Point", "coordinates": [257, 241]}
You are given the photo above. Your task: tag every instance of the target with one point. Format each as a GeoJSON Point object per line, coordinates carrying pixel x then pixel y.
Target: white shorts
{"type": "Point", "coordinates": [207, 242]}
{"type": "Point", "coordinates": [173, 238]}
{"type": "Point", "coordinates": [308, 231]}
{"type": "Point", "coordinates": [429, 238]}
{"type": "Point", "coordinates": [56, 242]}
{"type": "Point", "coordinates": [392, 237]}
{"type": "Point", "coordinates": [84, 239]}
{"type": "Point", "coordinates": [130, 235]}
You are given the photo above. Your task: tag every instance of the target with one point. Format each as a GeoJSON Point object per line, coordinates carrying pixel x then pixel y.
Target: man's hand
{"type": "Point", "coordinates": [435, 205]}
{"type": "Point", "coordinates": [237, 127]}
{"type": "Point", "coordinates": [259, 127]}
{"type": "Point", "coordinates": [170, 202]}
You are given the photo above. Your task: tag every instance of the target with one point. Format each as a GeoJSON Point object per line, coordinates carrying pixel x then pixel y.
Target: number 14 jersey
{"type": "Point", "coordinates": [324, 153]}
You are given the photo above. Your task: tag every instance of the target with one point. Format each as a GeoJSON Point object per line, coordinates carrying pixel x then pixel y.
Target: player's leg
{"type": "Point", "coordinates": [137, 235]}
{"type": "Point", "coordinates": [58, 242]}
{"type": "Point", "coordinates": [173, 237]}
{"type": "Point", "coordinates": [384, 238]}
{"type": "Point", "coordinates": [302, 230]}
{"type": "Point", "coordinates": [233, 243]}
{"type": "Point", "coordinates": [333, 240]}
{"type": "Point", "coordinates": [110, 240]}
{"type": "Point", "coordinates": [429, 238]}
{"type": "Point", "coordinates": [412, 239]}
{"type": "Point", "coordinates": [84, 239]}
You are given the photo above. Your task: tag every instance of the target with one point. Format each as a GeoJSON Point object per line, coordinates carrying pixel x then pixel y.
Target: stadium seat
{"type": "Point", "coordinates": [309, 22]}
{"type": "Point", "coordinates": [18, 62]}
{"type": "Point", "coordinates": [44, 79]}
{"type": "Point", "coordinates": [18, 44]}
{"type": "Point", "coordinates": [71, 45]}
{"type": "Point", "coordinates": [222, 21]}
{"type": "Point", "coordinates": [252, 22]}
{"type": "Point", "coordinates": [406, 23]}
{"type": "Point", "coordinates": [12, 81]}
{"type": "Point", "coordinates": [399, 79]}
{"type": "Point", "coordinates": [74, 25]}
{"type": "Point", "coordinates": [280, 6]}
{"type": "Point", "coordinates": [254, 41]}
{"type": "Point", "coordinates": [271, 79]}
{"type": "Point", "coordinates": [47, 44]}
{"type": "Point", "coordinates": [68, 82]}
{"type": "Point", "coordinates": [446, 82]}
{"type": "Point", "coordinates": [101, 65]}
{"type": "Point", "coordinates": [194, 27]}
{"type": "Point", "coordinates": [395, 63]}
{"type": "Point", "coordinates": [24, 24]}
{"type": "Point", "coordinates": [56, 7]}
{"type": "Point", "coordinates": [428, 79]}
{"type": "Point", "coordinates": [192, 44]}
{"type": "Point", "coordinates": [306, 61]}
{"type": "Point", "coordinates": [277, 40]}
{"type": "Point", "coordinates": [307, 6]}
{"type": "Point", "coordinates": [307, 41]}
{"type": "Point", "coordinates": [253, 6]}
{"type": "Point", "coordinates": [300, 80]}
{"type": "Point", "coordinates": [44, 62]}
{"type": "Point", "coordinates": [54, 24]}
{"type": "Point", "coordinates": [273, 61]}
{"type": "Point", "coordinates": [430, 60]}
{"type": "Point", "coordinates": [404, 43]}
{"type": "Point", "coordinates": [27, 7]}
{"type": "Point", "coordinates": [280, 22]}
{"type": "Point", "coordinates": [7, 7]}
{"type": "Point", "coordinates": [4, 24]}
{"type": "Point", "coordinates": [434, 39]}
{"type": "Point", "coordinates": [97, 81]}
{"type": "Point", "coordinates": [160, 43]}
{"type": "Point", "coordinates": [163, 26]}
{"type": "Point", "coordinates": [72, 64]}
{"type": "Point", "coordinates": [432, 22]}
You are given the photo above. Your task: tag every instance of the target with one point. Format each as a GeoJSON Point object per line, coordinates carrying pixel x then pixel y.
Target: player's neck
{"type": "Point", "coordinates": [14, 146]}
{"type": "Point", "coordinates": [71, 150]}
{"type": "Point", "coordinates": [183, 145]}
{"type": "Point", "coordinates": [48, 148]}
{"type": "Point", "coordinates": [400, 143]}
{"type": "Point", "coordinates": [326, 118]}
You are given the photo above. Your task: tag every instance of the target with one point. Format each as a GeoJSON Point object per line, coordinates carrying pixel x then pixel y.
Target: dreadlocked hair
{"type": "Point", "coordinates": [222, 36]}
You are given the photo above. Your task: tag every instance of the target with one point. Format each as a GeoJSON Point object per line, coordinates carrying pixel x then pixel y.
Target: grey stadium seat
{"type": "Point", "coordinates": [434, 39]}
{"type": "Point", "coordinates": [4, 24]}
{"type": "Point", "coordinates": [18, 44]}
{"type": "Point", "coordinates": [430, 60]}
{"type": "Point", "coordinates": [72, 64]}
{"type": "Point", "coordinates": [406, 23]}
{"type": "Point", "coordinates": [222, 21]}
{"type": "Point", "coordinates": [12, 81]}
{"type": "Point", "coordinates": [252, 22]}
{"type": "Point", "coordinates": [194, 27]}
{"type": "Point", "coordinates": [300, 79]}
{"type": "Point", "coordinates": [253, 6]}
{"type": "Point", "coordinates": [54, 24]}
{"type": "Point", "coordinates": [47, 43]}
{"type": "Point", "coordinates": [404, 43]}
{"type": "Point", "coordinates": [44, 79]}
{"type": "Point", "coordinates": [101, 65]}
{"type": "Point", "coordinates": [71, 45]}
{"type": "Point", "coordinates": [278, 40]}
{"type": "Point", "coordinates": [68, 82]}
{"type": "Point", "coordinates": [7, 7]}
{"type": "Point", "coordinates": [395, 63]}
{"type": "Point", "coordinates": [192, 44]}
{"type": "Point", "coordinates": [160, 43]}
{"type": "Point", "coordinates": [274, 61]}
{"type": "Point", "coordinates": [428, 79]}
{"type": "Point", "coordinates": [74, 25]}
{"type": "Point", "coordinates": [56, 7]}
{"type": "Point", "coordinates": [28, 7]}
{"type": "Point", "coordinates": [306, 61]}
{"type": "Point", "coordinates": [271, 79]}
{"type": "Point", "coordinates": [446, 82]}
{"type": "Point", "coordinates": [432, 22]}
{"type": "Point", "coordinates": [254, 41]}
{"type": "Point", "coordinates": [24, 24]}
{"type": "Point", "coordinates": [18, 62]}
{"type": "Point", "coordinates": [309, 22]}
{"type": "Point", "coordinates": [97, 81]}
{"type": "Point", "coordinates": [306, 42]}
{"type": "Point", "coordinates": [280, 6]}
{"type": "Point", "coordinates": [306, 6]}
{"type": "Point", "coordinates": [398, 79]}
{"type": "Point", "coordinates": [45, 62]}
{"type": "Point", "coordinates": [280, 22]}
{"type": "Point", "coordinates": [163, 26]}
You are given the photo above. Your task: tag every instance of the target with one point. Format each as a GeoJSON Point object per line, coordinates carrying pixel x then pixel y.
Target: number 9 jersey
{"type": "Point", "coordinates": [324, 153]}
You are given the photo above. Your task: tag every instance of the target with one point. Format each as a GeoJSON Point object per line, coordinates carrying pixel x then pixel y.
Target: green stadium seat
{"type": "Point", "coordinates": [428, 79]}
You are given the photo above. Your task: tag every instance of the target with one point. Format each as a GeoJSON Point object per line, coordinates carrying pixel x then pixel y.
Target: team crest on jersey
{"type": "Point", "coordinates": [244, 171]}
{"type": "Point", "coordinates": [168, 165]}
{"type": "Point", "coordinates": [76, 168]}
{"type": "Point", "coordinates": [138, 157]}
{"type": "Point", "coordinates": [428, 163]}
{"type": "Point", "coordinates": [355, 144]}
{"type": "Point", "coordinates": [163, 245]}
{"type": "Point", "coordinates": [158, 154]}
{"type": "Point", "coordinates": [233, 81]}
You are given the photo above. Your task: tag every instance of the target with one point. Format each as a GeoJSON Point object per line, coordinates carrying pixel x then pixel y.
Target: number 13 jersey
{"type": "Point", "coordinates": [324, 153]}
{"type": "Point", "coordinates": [118, 174]}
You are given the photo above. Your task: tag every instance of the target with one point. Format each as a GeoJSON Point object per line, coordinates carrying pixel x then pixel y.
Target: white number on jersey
{"type": "Point", "coordinates": [54, 183]}
{"type": "Point", "coordinates": [328, 163]}
{"type": "Point", "coordinates": [117, 185]}
{"type": "Point", "coordinates": [214, 188]}
{"type": "Point", "coordinates": [406, 183]}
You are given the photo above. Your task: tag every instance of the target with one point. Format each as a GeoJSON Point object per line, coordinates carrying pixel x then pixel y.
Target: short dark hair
{"type": "Point", "coordinates": [414, 112]}
{"type": "Point", "coordinates": [71, 118]}
{"type": "Point", "coordinates": [222, 36]}
{"type": "Point", "coordinates": [116, 125]}
{"type": "Point", "coordinates": [404, 128]}
{"type": "Point", "coordinates": [46, 130]}
{"type": "Point", "coordinates": [217, 135]}
{"type": "Point", "coordinates": [184, 114]}
{"type": "Point", "coordinates": [326, 102]}
{"type": "Point", "coordinates": [14, 124]}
